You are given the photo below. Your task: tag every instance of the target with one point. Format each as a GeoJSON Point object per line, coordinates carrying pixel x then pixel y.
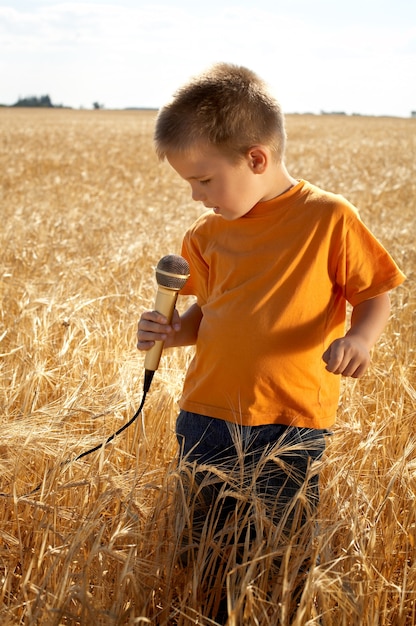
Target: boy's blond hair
{"type": "Point", "coordinates": [228, 107]}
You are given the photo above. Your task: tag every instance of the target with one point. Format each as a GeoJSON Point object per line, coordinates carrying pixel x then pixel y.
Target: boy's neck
{"type": "Point", "coordinates": [278, 181]}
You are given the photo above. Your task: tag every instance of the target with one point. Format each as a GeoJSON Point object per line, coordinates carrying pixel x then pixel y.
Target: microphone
{"type": "Point", "coordinates": [172, 272]}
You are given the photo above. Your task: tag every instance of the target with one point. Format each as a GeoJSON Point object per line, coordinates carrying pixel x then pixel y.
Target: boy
{"type": "Point", "coordinates": [273, 263]}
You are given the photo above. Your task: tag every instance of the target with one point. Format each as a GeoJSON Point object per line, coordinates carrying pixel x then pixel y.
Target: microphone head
{"type": "Point", "coordinates": [172, 272]}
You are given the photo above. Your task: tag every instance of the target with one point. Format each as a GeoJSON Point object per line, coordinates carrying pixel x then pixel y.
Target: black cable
{"type": "Point", "coordinates": [147, 382]}
{"type": "Point", "coordinates": [148, 377]}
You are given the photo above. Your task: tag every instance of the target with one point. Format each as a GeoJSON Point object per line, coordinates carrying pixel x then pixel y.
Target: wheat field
{"type": "Point", "coordinates": [86, 213]}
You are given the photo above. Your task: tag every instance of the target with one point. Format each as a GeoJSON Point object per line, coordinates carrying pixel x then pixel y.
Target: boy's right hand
{"type": "Point", "coordinates": [153, 327]}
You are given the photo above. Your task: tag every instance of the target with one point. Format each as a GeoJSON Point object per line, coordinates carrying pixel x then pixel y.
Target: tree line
{"type": "Point", "coordinates": [34, 101]}
{"type": "Point", "coordinates": [46, 102]}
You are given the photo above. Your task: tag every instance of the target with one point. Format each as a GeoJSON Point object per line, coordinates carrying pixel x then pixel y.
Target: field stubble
{"type": "Point", "coordinates": [86, 212]}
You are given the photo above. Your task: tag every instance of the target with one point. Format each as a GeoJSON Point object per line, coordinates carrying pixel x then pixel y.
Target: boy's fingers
{"type": "Point", "coordinates": [341, 358]}
{"type": "Point", "coordinates": [334, 358]}
{"type": "Point", "coordinates": [153, 316]}
{"type": "Point", "coordinates": [176, 320]}
{"type": "Point", "coordinates": [153, 327]}
{"type": "Point", "coordinates": [153, 332]}
{"type": "Point", "coordinates": [325, 356]}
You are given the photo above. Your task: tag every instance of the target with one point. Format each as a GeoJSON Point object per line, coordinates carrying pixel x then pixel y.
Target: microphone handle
{"type": "Point", "coordinates": [164, 304]}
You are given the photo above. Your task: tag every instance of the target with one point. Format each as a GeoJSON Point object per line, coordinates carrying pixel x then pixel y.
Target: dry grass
{"type": "Point", "coordinates": [86, 213]}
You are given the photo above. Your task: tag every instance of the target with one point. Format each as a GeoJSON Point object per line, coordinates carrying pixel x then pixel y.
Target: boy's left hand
{"type": "Point", "coordinates": [348, 356]}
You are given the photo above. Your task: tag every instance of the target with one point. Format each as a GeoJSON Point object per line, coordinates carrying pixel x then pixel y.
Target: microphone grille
{"type": "Point", "coordinates": [172, 272]}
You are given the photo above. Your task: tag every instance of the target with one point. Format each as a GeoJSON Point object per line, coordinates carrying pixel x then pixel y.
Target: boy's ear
{"type": "Point", "coordinates": [258, 159]}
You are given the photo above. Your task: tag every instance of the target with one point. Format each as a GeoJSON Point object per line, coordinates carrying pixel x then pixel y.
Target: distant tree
{"type": "Point", "coordinates": [34, 101]}
{"type": "Point", "coordinates": [97, 106]}
{"type": "Point", "coordinates": [333, 113]}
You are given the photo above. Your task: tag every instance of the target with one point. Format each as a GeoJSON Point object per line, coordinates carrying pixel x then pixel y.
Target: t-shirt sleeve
{"type": "Point", "coordinates": [197, 283]}
{"type": "Point", "coordinates": [365, 268]}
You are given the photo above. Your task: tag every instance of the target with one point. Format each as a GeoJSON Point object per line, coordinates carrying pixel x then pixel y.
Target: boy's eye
{"type": "Point", "coordinates": [205, 182]}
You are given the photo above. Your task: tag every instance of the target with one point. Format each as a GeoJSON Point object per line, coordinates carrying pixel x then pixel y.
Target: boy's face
{"type": "Point", "coordinates": [230, 188]}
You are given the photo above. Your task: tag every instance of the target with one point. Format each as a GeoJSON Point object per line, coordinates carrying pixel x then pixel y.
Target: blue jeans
{"type": "Point", "coordinates": [248, 488]}
{"type": "Point", "coordinates": [271, 462]}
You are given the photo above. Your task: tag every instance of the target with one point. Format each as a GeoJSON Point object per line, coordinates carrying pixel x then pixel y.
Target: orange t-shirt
{"type": "Point", "coordinates": [273, 286]}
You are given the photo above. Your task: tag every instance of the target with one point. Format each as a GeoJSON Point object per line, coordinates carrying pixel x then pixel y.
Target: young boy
{"type": "Point", "coordinates": [272, 264]}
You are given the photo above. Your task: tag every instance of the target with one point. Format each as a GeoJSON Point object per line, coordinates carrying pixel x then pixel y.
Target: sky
{"type": "Point", "coordinates": [355, 56]}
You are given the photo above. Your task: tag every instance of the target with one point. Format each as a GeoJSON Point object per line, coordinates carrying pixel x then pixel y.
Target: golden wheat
{"type": "Point", "coordinates": [86, 212]}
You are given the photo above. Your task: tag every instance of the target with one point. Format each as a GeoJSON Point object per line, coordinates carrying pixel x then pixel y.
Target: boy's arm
{"type": "Point", "coordinates": [183, 330]}
{"type": "Point", "coordinates": [350, 355]}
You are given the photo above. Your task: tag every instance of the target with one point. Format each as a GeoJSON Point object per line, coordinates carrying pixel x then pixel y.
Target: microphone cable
{"type": "Point", "coordinates": [172, 272]}
{"type": "Point", "coordinates": [148, 377]}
